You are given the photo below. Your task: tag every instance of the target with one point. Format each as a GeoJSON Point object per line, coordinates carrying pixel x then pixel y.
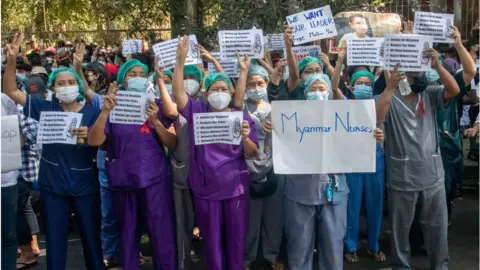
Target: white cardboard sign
{"type": "Point", "coordinates": [11, 152]}
{"type": "Point", "coordinates": [131, 108]}
{"type": "Point", "coordinates": [311, 137]}
{"type": "Point", "coordinates": [167, 52]}
{"type": "Point", "coordinates": [301, 52]}
{"type": "Point", "coordinates": [230, 66]}
{"type": "Point", "coordinates": [437, 25]}
{"type": "Point", "coordinates": [131, 46]}
{"type": "Point", "coordinates": [274, 42]}
{"type": "Point", "coordinates": [311, 25]}
{"type": "Point", "coordinates": [408, 50]}
{"type": "Point", "coordinates": [56, 127]}
{"type": "Point", "coordinates": [245, 42]}
{"type": "Point", "coordinates": [218, 127]}
{"type": "Point", "coordinates": [365, 52]}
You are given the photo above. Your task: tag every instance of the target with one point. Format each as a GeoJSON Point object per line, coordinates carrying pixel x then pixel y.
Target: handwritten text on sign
{"type": "Point", "coordinates": [365, 52]}
{"type": "Point", "coordinates": [131, 47]}
{"type": "Point", "coordinates": [245, 42]}
{"type": "Point", "coordinates": [311, 25]}
{"type": "Point", "coordinates": [437, 25]}
{"type": "Point", "coordinates": [167, 52]}
{"type": "Point", "coordinates": [407, 50]}
{"type": "Point", "coordinates": [323, 136]}
{"type": "Point", "coordinates": [11, 156]}
{"type": "Point", "coordinates": [218, 127]}
{"type": "Point", "coordinates": [56, 127]}
{"type": "Point", "coordinates": [131, 108]}
{"type": "Point", "coordinates": [301, 52]}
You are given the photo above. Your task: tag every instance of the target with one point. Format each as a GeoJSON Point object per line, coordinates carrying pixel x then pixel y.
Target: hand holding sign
{"type": "Point", "coordinates": [433, 55]}
{"type": "Point", "coordinates": [245, 130]}
{"type": "Point", "coordinates": [110, 99]}
{"type": "Point", "coordinates": [378, 134]}
{"type": "Point", "coordinates": [205, 54]}
{"type": "Point", "coordinates": [267, 127]}
{"type": "Point", "coordinates": [244, 64]}
{"type": "Point", "coordinates": [152, 112]}
{"type": "Point", "coordinates": [408, 27]}
{"type": "Point", "coordinates": [456, 36]}
{"type": "Point", "coordinates": [158, 69]}
{"type": "Point", "coordinates": [182, 48]}
{"type": "Point", "coordinates": [81, 133]}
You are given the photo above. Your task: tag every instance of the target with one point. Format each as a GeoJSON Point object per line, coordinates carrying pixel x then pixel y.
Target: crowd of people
{"type": "Point", "coordinates": [123, 180]}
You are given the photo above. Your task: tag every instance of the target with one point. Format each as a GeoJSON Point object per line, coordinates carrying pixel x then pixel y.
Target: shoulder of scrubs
{"type": "Point", "coordinates": [296, 94]}
{"type": "Point", "coordinates": [96, 101]}
{"type": "Point", "coordinates": [275, 91]}
{"type": "Point", "coordinates": [464, 89]}
{"type": "Point", "coordinates": [34, 106]}
{"type": "Point", "coordinates": [192, 107]}
{"type": "Point", "coordinates": [90, 115]}
{"type": "Point", "coordinates": [435, 96]}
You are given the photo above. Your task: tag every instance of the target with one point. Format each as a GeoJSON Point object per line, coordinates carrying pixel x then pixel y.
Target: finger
{"type": "Point", "coordinates": [397, 66]}
{"type": "Point", "coordinates": [238, 56]}
{"type": "Point", "coordinates": [156, 62]}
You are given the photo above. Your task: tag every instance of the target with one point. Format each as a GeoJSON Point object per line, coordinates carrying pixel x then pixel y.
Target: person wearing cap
{"type": "Point", "coordinates": [219, 177]}
{"type": "Point", "coordinates": [67, 176]}
{"type": "Point", "coordinates": [138, 171]}
{"type": "Point", "coordinates": [63, 56]}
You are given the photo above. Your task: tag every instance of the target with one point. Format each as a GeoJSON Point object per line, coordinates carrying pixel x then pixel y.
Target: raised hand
{"type": "Point", "coordinates": [245, 63]}
{"type": "Point", "coordinates": [110, 99]}
{"type": "Point", "coordinates": [408, 27]}
{"type": "Point", "coordinates": [456, 36]}
{"type": "Point", "coordinates": [78, 55]}
{"type": "Point", "coordinates": [14, 47]}
{"type": "Point", "coordinates": [433, 55]}
{"type": "Point", "coordinates": [245, 130]}
{"type": "Point", "coordinates": [182, 48]}
{"type": "Point", "coordinates": [288, 36]}
{"type": "Point", "coordinates": [205, 54]}
{"type": "Point", "coordinates": [393, 78]}
{"type": "Point", "coordinates": [342, 50]}
{"type": "Point", "coordinates": [158, 70]}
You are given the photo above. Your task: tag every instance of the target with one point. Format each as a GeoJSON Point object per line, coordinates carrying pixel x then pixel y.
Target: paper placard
{"type": "Point", "coordinates": [218, 127]}
{"type": "Point", "coordinates": [245, 42]}
{"type": "Point", "coordinates": [311, 137]}
{"type": "Point", "coordinates": [311, 25]}
{"type": "Point", "coordinates": [274, 42]}
{"type": "Point", "coordinates": [167, 52]}
{"type": "Point", "coordinates": [56, 127]}
{"type": "Point", "coordinates": [230, 66]}
{"type": "Point", "coordinates": [408, 50]}
{"type": "Point", "coordinates": [437, 25]}
{"type": "Point", "coordinates": [131, 108]}
{"type": "Point", "coordinates": [131, 47]}
{"type": "Point", "coordinates": [301, 52]}
{"type": "Point", "coordinates": [11, 153]}
{"type": "Point", "coordinates": [365, 52]}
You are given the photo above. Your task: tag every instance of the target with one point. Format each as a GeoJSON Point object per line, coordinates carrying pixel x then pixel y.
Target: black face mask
{"type": "Point", "coordinates": [420, 84]}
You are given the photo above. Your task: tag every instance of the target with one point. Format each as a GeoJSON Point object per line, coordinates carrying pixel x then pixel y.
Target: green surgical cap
{"type": "Point", "coordinates": [126, 67]}
{"type": "Point", "coordinates": [211, 78]}
{"type": "Point", "coordinates": [58, 71]}
{"type": "Point", "coordinates": [258, 70]}
{"type": "Point", "coordinates": [167, 72]}
{"type": "Point", "coordinates": [308, 61]}
{"type": "Point", "coordinates": [362, 73]}
{"type": "Point", "coordinates": [317, 77]}
{"type": "Point", "coordinates": [193, 70]}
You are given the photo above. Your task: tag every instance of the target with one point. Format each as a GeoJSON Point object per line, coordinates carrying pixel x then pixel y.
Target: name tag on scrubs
{"type": "Point", "coordinates": [218, 127]}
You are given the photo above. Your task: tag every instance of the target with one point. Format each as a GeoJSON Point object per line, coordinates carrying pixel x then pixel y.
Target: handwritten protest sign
{"type": "Point", "coordinates": [274, 42]}
{"type": "Point", "coordinates": [301, 52]}
{"type": "Point", "coordinates": [167, 51]}
{"type": "Point", "coordinates": [131, 108]}
{"type": "Point", "coordinates": [230, 66]}
{"type": "Point", "coordinates": [310, 25]}
{"type": "Point", "coordinates": [245, 42]}
{"type": "Point", "coordinates": [218, 127]}
{"type": "Point", "coordinates": [408, 50]}
{"type": "Point", "coordinates": [365, 52]}
{"type": "Point", "coordinates": [11, 155]}
{"type": "Point", "coordinates": [437, 25]}
{"type": "Point", "coordinates": [56, 127]}
{"type": "Point", "coordinates": [322, 136]}
{"type": "Point", "coordinates": [131, 47]}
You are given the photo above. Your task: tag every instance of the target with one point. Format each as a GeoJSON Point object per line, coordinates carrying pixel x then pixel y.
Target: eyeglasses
{"type": "Point", "coordinates": [310, 71]}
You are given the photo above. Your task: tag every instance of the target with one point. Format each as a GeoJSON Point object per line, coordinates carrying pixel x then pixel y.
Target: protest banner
{"type": "Point", "coordinates": [311, 25]}
{"type": "Point", "coordinates": [301, 52]}
{"type": "Point", "coordinates": [244, 42]}
{"type": "Point", "coordinates": [11, 154]}
{"type": "Point", "coordinates": [218, 127]}
{"type": "Point", "coordinates": [56, 127]}
{"type": "Point", "coordinates": [274, 42]}
{"type": "Point", "coordinates": [365, 52]}
{"type": "Point", "coordinates": [131, 108]}
{"type": "Point", "coordinates": [408, 50]}
{"type": "Point", "coordinates": [131, 47]}
{"type": "Point", "coordinates": [230, 66]}
{"type": "Point", "coordinates": [167, 52]}
{"type": "Point", "coordinates": [323, 136]}
{"type": "Point", "coordinates": [437, 25]}
{"type": "Point", "coordinates": [359, 24]}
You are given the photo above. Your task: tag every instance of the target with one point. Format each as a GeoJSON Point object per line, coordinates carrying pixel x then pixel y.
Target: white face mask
{"type": "Point", "coordinates": [191, 86]}
{"type": "Point", "coordinates": [219, 100]}
{"type": "Point", "coordinates": [67, 94]}
{"type": "Point", "coordinates": [169, 88]}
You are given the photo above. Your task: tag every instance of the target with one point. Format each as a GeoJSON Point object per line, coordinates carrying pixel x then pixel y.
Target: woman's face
{"type": "Point", "coordinates": [167, 80]}
{"type": "Point", "coordinates": [218, 86]}
{"type": "Point", "coordinates": [132, 73]}
{"type": "Point", "coordinates": [318, 86]}
{"type": "Point", "coordinates": [363, 80]}
{"type": "Point", "coordinates": [359, 25]}
{"type": "Point", "coordinates": [64, 80]}
{"type": "Point", "coordinates": [312, 69]}
{"type": "Point", "coordinates": [256, 82]}
{"type": "Point", "coordinates": [91, 75]}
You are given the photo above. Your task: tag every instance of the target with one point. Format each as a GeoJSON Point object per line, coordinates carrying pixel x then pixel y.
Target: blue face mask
{"type": "Point", "coordinates": [317, 95]}
{"type": "Point", "coordinates": [256, 94]}
{"type": "Point", "coordinates": [22, 77]}
{"type": "Point", "coordinates": [362, 91]}
{"type": "Point", "coordinates": [137, 84]}
{"type": "Point", "coordinates": [432, 76]}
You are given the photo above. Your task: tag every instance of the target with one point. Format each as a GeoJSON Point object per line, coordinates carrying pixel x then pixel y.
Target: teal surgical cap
{"type": "Point", "coordinates": [193, 70]}
{"type": "Point", "coordinates": [211, 78]}
{"type": "Point", "coordinates": [308, 61]}
{"type": "Point", "coordinates": [126, 67]}
{"type": "Point", "coordinates": [258, 70]}
{"type": "Point", "coordinates": [167, 72]}
{"type": "Point", "coordinates": [317, 77]}
{"type": "Point", "coordinates": [362, 73]}
{"type": "Point", "coordinates": [58, 71]}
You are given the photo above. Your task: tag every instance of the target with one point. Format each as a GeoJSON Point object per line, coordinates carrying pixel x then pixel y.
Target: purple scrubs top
{"type": "Point", "coordinates": [136, 159]}
{"type": "Point", "coordinates": [218, 171]}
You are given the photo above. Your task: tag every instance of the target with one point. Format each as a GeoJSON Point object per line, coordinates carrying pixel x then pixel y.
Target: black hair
{"type": "Point", "coordinates": [34, 59]}
{"type": "Point", "coordinates": [471, 42]}
{"type": "Point", "coordinates": [351, 70]}
{"type": "Point", "coordinates": [120, 55]}
{"type": "Point", "coordinates": [25, 67]}
{"type": "Point", "coordinates": [145, 59]}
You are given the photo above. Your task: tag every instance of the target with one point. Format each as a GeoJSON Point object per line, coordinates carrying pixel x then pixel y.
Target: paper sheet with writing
{"type": "Point", "coordinates": [311, 25]}
{"type": "Point", "coordinates": [11, 155]}
{"type": "Point", "coordinates": [301, 52]}
{"type": "Point", "coordinates": [333, 136]}
{"type": "Point", "coordinates": [56, 127]}
{"type": "Point", "coordinates": [218, 127]}
{"type": "Point", "coordinates": [408, 50]}
{"type": "Point", "coordinates": [274, 42]}
{"type": "Point", "coordinates": [131, 46]}
{"type": "Point", "coordinates": [230, 66]}
{"type": "Point", "coordinates": [437, 25]}
{"type": "Point", "coordinates": [167, 52]}
{"type": "Point", "coordinates": [365, 52]}
{"type": "Point", "coordinates": [245, 42]}
{"type": "Point", "coordinates": [131, 108]}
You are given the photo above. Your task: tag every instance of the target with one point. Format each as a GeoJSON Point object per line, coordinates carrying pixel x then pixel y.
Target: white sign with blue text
{"type": "Point", "coordinates": [311, 25]}
{"type": "Point", "coordinates": [11, 155]}
{"type": "Point", "coordinates": [313, 137]}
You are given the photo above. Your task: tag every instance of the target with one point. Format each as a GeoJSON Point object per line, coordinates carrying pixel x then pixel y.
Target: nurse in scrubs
{"type": "Point", "coordinates": [219, 177]}
{"type": "Point", "coordinates": [67, 176]}
{"type": "Point", "coordinates": [137, 169]}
